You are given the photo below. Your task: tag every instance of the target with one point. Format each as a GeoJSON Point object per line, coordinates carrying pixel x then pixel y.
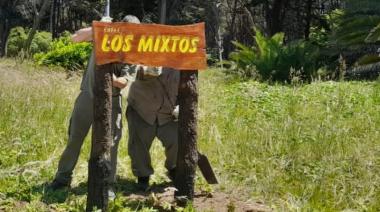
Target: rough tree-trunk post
{"type": "Point", "coordinates": [187, 136]}
{"type": "Point", "coordinates": [99, 166]}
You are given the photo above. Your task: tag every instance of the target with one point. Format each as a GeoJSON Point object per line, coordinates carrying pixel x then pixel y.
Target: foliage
{"type": "Point", "coordinates": [354, 29]}
{"type": "Point", "coordinates": [374, 35]}
{"type": "Point", "coordinates": [63, 52]}
{"type": "Point", "coordinates": [274, 60]}
{"type": "Point", "coordinates": [16, 41]}
{"type": "Point", "coordinates": [294, 148]}
{"type": "Point", "coordinates": [351, 36]}
{"type": "Point", "coordinates": [18, 36]}
{"type": "Point", "coordinates": [319, 36]}
{"type": "Point", "coordinates": [353, 26]}
{"type": "Point", "coordinates": [297, 148]}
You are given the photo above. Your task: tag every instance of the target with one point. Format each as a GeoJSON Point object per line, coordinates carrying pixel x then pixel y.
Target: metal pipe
{"type": "Point", "coordinates": [107, 12]}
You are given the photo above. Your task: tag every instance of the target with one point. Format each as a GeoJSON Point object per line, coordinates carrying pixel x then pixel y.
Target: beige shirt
{"type": "Point", "coordinates": [154, 98]}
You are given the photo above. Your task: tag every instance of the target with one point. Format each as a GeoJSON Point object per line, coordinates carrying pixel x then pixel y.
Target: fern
{"type": "Point", "coordinates": [273, 60]}
{"type": "Point", "coordinates": [355, 31]}
{"type": "Point", "coordinates": [374, 35]}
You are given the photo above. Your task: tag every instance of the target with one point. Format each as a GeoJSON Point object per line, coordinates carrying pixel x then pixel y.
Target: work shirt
{"type": "Point", "coordinates": [154, 98]}
{"type": "Point", "coordinates": [88, 80]}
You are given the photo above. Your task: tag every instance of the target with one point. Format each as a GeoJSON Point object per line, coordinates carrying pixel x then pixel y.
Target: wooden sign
{"type": "Point", "coordinates": [178, 47]}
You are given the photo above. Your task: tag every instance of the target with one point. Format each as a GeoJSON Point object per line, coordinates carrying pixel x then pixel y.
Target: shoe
{"type": "Point", "coordinates": [55, 185]}
{"type": "Point", "coordinates": [143, 183]}
{"type": "Point", "coordinates": [171, 174]}
{"type": "Point", "coordinates": [111, 194]}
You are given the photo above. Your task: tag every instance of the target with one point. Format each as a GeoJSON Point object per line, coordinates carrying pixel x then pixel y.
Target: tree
{"type": "Point", "coordinates": [8, 18]}
{"type": "Point", "coordinates": [37, 19]}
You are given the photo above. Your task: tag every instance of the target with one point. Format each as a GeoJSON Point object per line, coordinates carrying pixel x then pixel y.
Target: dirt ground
{"type": "Point", "coordinates": [163, 198]}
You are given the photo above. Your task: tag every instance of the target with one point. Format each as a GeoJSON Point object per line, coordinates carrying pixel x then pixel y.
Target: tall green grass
{"type": "Point", "coordinates": [315, 146]}
{"type": "Point", "coordinates": [305, 147]}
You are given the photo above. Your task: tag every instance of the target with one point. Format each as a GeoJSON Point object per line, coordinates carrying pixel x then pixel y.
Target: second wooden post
{"type": "Point", "coordinates": [187, 136]}
{"type": "Point", "coordinates": [99, 166]}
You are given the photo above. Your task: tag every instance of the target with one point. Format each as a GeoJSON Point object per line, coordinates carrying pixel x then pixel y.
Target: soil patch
{"type": "Point", "coordinates": [163, 198]}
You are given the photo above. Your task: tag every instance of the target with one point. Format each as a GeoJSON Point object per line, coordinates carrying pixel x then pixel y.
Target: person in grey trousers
{"type": "Point", "coordinates": [81, 121]}
{"type": "Point", "coordinates": [151, 112]}
{"type": "Point", "coordinates": [82, 118]}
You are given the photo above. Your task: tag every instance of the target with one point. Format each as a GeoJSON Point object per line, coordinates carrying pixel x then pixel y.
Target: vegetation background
{"type": "Point", "coordinates": [288, 111]}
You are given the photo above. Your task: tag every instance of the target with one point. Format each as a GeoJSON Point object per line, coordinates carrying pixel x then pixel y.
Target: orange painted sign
{"type": "Point", "coordinates": [178, 47]}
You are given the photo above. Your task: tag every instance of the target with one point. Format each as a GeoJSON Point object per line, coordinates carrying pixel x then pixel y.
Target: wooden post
{"type": "Point", "coordinates": [99, 166]}
{"type": "Point", "coordinates": [187, 136]}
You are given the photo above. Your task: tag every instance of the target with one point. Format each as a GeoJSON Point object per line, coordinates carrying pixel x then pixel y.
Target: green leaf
{"type": "Point", "coordinates": [368, 59]}
{"type": "Point", "coordinates": [374, 35]}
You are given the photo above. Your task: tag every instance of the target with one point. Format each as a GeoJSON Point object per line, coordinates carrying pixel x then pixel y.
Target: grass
{"type": "Point", "coordinates": [305, 147]}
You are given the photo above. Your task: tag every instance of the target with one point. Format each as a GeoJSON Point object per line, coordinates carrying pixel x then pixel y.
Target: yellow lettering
{"type": "Point", "coordinates": [194, 45]}
{"type": "Point", "coordinates": [165, 44]}
{"type": "Point", "coordinates": [175, 40]}
{"type": "Point", "coordinates": [145, 44]}
{"type": "Point", "coordinates": [117, 43]}
{"type": "Point", "coordinates": [184, 45]}
{"type": "Point", "coordinates": [105, 42]}
{"type": "Point", "coordinates": [157, 43]}
{"type": "Point", "coordinates": [127, 43]}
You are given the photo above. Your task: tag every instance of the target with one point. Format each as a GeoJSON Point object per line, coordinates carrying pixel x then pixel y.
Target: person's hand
{"type": "Point", "coordinates": [82, 35]}
{"type": "Point", "coordinates": [175, 113]}
{"type": "Point", "coordinates": [119, 82]}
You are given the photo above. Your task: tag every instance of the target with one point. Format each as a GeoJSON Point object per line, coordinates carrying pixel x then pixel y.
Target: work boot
{"type": "Point", "coordinates": [55, 185]}
{"type": "Point", "coordinates": [143, 183]}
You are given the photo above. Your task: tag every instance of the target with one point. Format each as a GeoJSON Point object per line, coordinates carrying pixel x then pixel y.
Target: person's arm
{"type": "Point", "coordinates": [119, 82]}
{"type": "Point", "coordinates": [82, 35]}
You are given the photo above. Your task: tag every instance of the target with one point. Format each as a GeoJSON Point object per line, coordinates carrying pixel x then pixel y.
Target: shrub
{"type": "Point", "coordinates": [18, 36]}
{"type": "Point", "coordinates": [273, 60]}
{"type": "Point", "coordinates": [41, 42]}
{"type": "Point", "coordinates": [16, 40]}
{"type": "Point", "coordinates": [63, 52]}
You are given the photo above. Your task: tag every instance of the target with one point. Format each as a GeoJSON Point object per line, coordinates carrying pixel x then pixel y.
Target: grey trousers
{"type": "Point", "coordinates": [141, 135]}
{"type": "Point", "coordinates": [80, 123]}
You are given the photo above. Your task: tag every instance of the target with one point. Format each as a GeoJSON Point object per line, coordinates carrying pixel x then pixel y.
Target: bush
{"type": "Point", "coordinates": [18, 36]}
{"type": "Point", "coordinates": [16, 40]}
{"type": "Point", "coordinates": [63, 52]}
{"type": "Point", "coordinates": [41, 42]}
{"type": "Point", "coordinates": [273, 60]}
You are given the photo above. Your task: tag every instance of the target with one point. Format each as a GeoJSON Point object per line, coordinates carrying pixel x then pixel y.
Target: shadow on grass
{"type": "Point", "coordinates": [49, 196]}
{"type": "Point", "coordinates": [129, 187]}
{"type": "Point", "coordinates": [125, 186]}
{"type": "Point", "coordinates": [138, 199]}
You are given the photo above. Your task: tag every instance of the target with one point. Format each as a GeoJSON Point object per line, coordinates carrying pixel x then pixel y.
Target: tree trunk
{"type": "Point", "coordinates": [232, 26]}
{"type": "Point", "coordinates": [187, 136]}
{"type": "Point", "coordinates": [162, 11]}
{"type": "Point", "coordinates": [57, 11]}
{"type": "Point", "coordinates": [51, 18]}
{"type": "Point", "coordinates": [4, 33]}
{"type": "Point", "coordinates": [99, 166]}
{"type": "Point", "coordinates": [38, 17]}
{"type": "Point", "coordinates": [274, 20]}
{"type": "Point", "coordinates": [309, 7]}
